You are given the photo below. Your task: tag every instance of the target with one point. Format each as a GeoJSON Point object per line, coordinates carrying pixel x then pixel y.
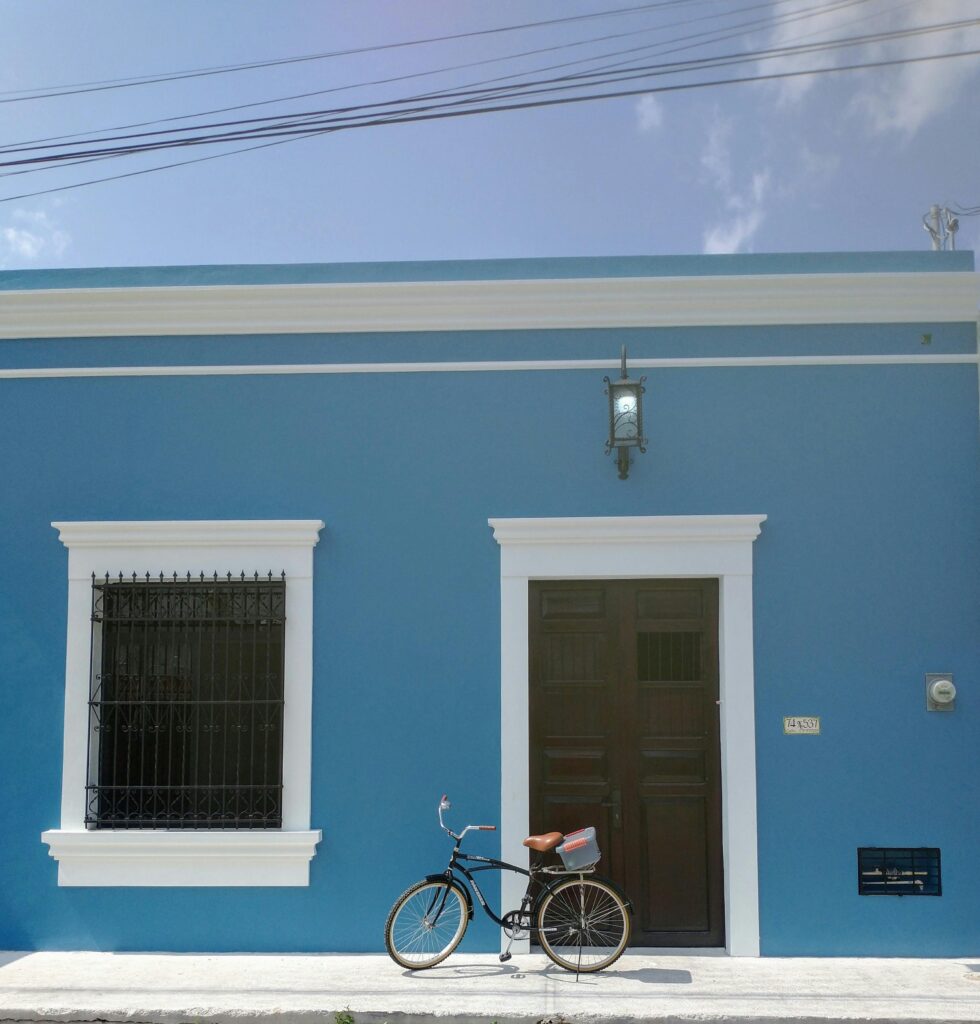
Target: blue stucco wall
{"type": "Point", "coordinates": [865, 579]}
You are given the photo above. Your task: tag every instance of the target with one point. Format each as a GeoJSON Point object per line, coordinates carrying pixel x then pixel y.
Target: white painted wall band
{"type": "Point", "coordinates": [492, 366]}
{"type": "Point", "coordinates": [722, 300]}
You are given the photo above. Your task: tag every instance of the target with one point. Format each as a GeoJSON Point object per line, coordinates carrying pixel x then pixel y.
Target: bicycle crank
{"type": "Point", "coordinates": [516, 925]}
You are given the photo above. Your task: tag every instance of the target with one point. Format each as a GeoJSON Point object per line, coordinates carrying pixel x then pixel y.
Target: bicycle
{"type": "Point", "coordinates": [581, 920]}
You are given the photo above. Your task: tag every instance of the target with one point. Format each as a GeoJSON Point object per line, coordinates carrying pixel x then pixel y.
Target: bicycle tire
{"type": "Point", "coordinates": [426, 923]}
{"type": "Point", "coordinates": [583, 924]}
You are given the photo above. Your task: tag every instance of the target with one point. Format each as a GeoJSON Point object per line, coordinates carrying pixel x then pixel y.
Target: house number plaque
{"type": "Point", "coordinates": [801, 725]}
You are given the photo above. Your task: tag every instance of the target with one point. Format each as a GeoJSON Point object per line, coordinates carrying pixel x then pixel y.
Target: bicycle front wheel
{"type": "Point", "coordinates": [583, 924]}
{"type": "Point", "coordinates": [426, 924]}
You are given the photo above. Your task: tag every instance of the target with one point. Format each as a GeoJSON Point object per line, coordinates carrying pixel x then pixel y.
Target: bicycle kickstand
{"type": "Point", "coordinates": [516, 930]}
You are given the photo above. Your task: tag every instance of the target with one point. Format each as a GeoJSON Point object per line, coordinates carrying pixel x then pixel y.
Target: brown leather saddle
{"type": "Point", "coordinates": [543, 843]}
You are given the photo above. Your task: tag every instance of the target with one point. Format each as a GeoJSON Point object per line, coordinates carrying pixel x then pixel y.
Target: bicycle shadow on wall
{"type": "Point", "coordinates": [647, 975]}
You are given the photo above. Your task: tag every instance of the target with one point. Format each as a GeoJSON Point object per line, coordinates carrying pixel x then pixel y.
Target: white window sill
{"type": "Point", "coordinates": [158, 858]}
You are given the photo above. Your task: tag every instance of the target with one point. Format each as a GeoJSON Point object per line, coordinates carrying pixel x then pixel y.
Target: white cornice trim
{"type": "Point", "coordinates": [481, 366]}
{"type": "Point", "coordinates": [191, 533]}
{"type": "Point", "coordinates": [940, 297]}
{"type": "Point", "coordinates": [212, 858]}
{"type": "Point", "coordinates": [627, 529]}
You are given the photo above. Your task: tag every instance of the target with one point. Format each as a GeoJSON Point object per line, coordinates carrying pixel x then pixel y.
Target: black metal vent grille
{"type": "Point", "coordinates": [899, 871]}
{"type": "Point", "coordinates": [186, 702]}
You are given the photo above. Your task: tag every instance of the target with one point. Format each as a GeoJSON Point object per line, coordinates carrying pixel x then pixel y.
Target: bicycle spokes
{"type": "Point", "coordinates": [426, 924]}
{"type": "Point", "coordinates": [583, 925]}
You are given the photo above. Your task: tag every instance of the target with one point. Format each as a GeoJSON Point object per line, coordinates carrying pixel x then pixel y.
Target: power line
{"type": "Point", "coordinates": [299, 118]}
{"type": "Point", "coordinates": [505, 107]}
{"type": "Point", "coordinates": [656, 48]}
{"type": "Point", "coordinates": [303, 123]}
{"type": "Point", "coordinates": [125, 83]}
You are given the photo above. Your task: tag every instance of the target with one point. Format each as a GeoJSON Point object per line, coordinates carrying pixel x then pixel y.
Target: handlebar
{"type": "Point", "coordinates": [445, 805]}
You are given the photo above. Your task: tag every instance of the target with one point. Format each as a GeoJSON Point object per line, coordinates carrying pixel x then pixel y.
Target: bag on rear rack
{"type": "Point", "coordinates": [579, 849]}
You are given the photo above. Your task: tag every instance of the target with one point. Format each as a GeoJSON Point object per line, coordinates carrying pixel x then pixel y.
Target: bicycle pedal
{"type": "Point", "coordinates": [504, 957]}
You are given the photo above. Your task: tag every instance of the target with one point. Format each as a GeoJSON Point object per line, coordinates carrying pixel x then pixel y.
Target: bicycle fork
{"type": "Point", "coordinates": [432, 921]}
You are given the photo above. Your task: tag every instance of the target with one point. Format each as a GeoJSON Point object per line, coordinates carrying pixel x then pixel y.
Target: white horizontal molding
{"type": "Point", "coordinates": [941, 297]}
{"type": "Point", "coordinates": [191, 546]}
{"type": "Point", "coordinates": [627, 529]}
{"type": "Point", "coordinates": [482, 366]}
{"type": "Point", "coordinates": [190, 533]}
{"type": "Point", "coordinates": [628, 547]}
{"type": "Point", "coordinates": [199, 858]}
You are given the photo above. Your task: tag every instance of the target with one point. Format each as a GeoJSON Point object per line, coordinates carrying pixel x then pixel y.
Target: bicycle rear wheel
{"type": "Point", "coordinates": [583, 924]}
{"type": "Point", "coordinates": [426, 924]}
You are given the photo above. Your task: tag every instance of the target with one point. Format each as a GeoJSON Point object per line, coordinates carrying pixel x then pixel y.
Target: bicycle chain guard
{"type": "Point", "coordinates": [517, 924]}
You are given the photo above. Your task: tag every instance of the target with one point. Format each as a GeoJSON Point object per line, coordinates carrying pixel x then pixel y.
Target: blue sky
{"type": "Point", "coordinates": [836, 162]}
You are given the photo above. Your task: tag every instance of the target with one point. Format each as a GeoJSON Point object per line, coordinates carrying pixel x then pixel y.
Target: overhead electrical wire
{"type": "Point", "coordinates": [662, 48]}
{"type": "Point", "coordinates": [800, 15]}
{"type": "Point", "coordinates": [555, 101]}
{"type": "Point", "coordinates": [711, 36]}
{"type": "Point", "coordinates": [428, 113]}
{"type": "Point", "coordinates": [311, 121]}
{"type": "Point", "coordinates": [478, 89]}
{"type": "Point", "coordinates": [519, 90]}
{"type": "Point", "coordinates": [17, 96]}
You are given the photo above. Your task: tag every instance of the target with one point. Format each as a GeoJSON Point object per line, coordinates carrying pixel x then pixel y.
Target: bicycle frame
{"type": "Point", "coordinates": [535, 875]}
{"type": "Point", "coordinates": [569, 913]}
{"type": "Point", "coordinates": [486, 864]}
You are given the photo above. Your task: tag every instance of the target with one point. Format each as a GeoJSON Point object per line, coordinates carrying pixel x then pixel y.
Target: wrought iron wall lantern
{"type": "Point", "coordinates": [625, 417]}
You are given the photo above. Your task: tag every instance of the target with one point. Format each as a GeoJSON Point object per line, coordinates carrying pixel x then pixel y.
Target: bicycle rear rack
{"type": "Point", "coordinates": [560, 869]}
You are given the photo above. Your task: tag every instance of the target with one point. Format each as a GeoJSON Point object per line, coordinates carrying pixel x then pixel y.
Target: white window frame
{"type": "Point", "coordinates": [212, 857]}
{"type": "Point", "coordinates": [639, 547]}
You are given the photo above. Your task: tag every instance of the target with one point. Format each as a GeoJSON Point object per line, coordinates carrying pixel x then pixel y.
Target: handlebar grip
{"type": "Point", "coordinates": [487, 828]}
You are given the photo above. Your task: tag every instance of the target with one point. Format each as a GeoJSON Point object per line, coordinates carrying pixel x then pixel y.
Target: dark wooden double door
{"type": "Point", "coordinates": [624, 736]}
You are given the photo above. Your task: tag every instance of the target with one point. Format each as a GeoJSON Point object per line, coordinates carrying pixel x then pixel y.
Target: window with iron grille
{"type": "Point", "coordinates": [186, 702]}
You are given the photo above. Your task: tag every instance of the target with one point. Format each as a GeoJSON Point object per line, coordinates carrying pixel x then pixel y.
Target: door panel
{"type": "Point", "coordinates": [677, 889]}
{"type": "Point", "coordinates": [574, 707]}
{"type": "Point", "coordinates": [624, 736]}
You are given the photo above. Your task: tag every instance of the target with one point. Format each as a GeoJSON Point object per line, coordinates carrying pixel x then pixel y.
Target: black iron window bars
{"type": "Point", "coordinates": [186, 702]}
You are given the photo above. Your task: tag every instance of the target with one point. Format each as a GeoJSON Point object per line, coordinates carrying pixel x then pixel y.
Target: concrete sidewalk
{"type": "Point", "coordinates": [293, 989]}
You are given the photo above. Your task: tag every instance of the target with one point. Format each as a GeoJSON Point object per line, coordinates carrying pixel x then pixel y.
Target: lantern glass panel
{"type": "Point", "coordinates": [626, 421]}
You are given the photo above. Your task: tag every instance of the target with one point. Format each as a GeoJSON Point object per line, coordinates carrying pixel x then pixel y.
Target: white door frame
{"type": "Point", "coordinates": [639, 547]}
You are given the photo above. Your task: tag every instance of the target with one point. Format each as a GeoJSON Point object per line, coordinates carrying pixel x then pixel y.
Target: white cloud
{"type": "Point", "coordinates": [649, 113]}
{"type": "Point", "coordinates": [734, 234]}
{"type": "Point", "coordinates": [913, 94]}
{"type": "Point", "coordinates": [899, 99]}
{"type": "Point", "coordinates": [744, 207]}
{"type": "Point", "coordinates": [21, 244]}
{"type": "Point", "coordinates": [833, 24]}
{"type": "Point", "coordinates": [760, 185]}
{"type": "Point", "coordinates": [31, 236]}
